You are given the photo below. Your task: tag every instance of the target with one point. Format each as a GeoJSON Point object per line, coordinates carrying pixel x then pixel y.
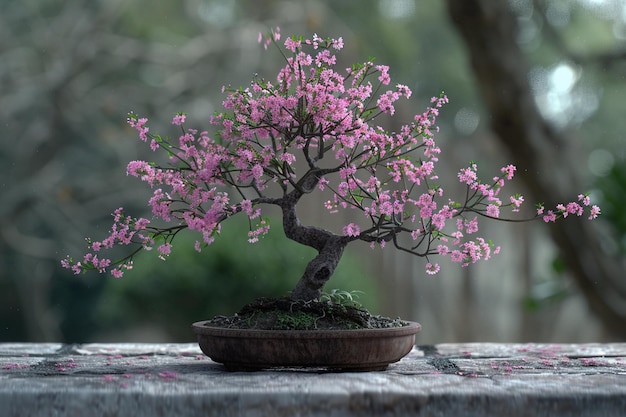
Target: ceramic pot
{"type": "Point", "coordinates": [345, 350]}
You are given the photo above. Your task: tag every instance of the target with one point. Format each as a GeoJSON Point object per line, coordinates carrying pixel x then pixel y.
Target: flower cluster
{"type": "Point", "coordinates": [268, 148]}
{"type": "Point", "coordinates": [564, 210]}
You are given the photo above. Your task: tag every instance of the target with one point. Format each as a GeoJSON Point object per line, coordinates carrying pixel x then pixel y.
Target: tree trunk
{"type": "Point", "coordinates": [489, 30]}
{"type": "Point", "coordinates": [319, 270]}
{"type": "Point", "coordinates": [329, 246]}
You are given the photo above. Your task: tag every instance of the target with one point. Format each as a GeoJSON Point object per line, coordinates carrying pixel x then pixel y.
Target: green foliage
{"type": "Point", "coordinates": [230, 273]}
{"type": "Point", "coordinates": [342, 297]}
{"type": "Point", "coordinates": [549, 291]}
{"type": "Point", "coordinates": [613, 200]}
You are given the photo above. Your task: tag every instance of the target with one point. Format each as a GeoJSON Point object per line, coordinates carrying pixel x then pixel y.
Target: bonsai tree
{"type": "Point", "coordinates": [312, 130]}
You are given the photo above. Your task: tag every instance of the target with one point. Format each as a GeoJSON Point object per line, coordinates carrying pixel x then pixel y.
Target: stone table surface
{"type": "Point", "coordinates": [474, 379]}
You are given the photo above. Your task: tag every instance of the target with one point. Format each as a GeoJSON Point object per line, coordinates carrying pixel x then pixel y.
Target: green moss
{"type": "Point", "coordinates": [286, 314]}
{"type": "Point", "coordinates": [298, 320]}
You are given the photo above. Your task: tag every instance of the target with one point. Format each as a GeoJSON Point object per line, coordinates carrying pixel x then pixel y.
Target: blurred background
{"type": "Point", "coordinates": [537, 83]}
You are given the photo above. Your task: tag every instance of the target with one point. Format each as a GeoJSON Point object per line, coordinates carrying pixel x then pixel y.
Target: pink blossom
{"type": "Point", "coordinates": [179, 119]}
{"type": "Point", "coordinates": [471, 226]}
{"type": "Point", "coordinates": [457, 256]}
{"type": "Point", "coordinates": [443, 250]}
{"type": "Point", "coordinates": [322, 183]}
{"type": "Point", "coordinates": [288, 157]}
{"type": "Point", "coordinates": [141, 223]}
{"type": "Point", "coordinates": [351, 230]}
{"type": "Point", "coordinates": [262, 229]}
{"type": "Point", "coordinates": [290, 43]}
{"type": "Point", "coordinates": [141, 168]}
{"type": "Point", "coordinates": [384, 74]}
{"type": "Point", "coordinates": [585, 199]}
{"type": "Point", "coordinates": [574, 208]}
{"type": "Point", "coordinates": [493, 210]}
{"type": "Point", "coordinates": [467, 176]}
{"type": "Point", "coordinates": [140, 125]}
{"type": "Point", "coordinates": [438, 221]}
{"type": "Point", "coordinates": [595, 211]}
{"type": "Point", "coordinates": [509, 170]}
{"type": "Point", "coordinates": [517, 202]}
{"type": "Point", "coordinates": [404, 90]}
{"type": "Point", "coordinates": [385, 102]}
{"type": "Point", "coordinates": [67, 262]}
{"type": "Point", "coordinates": [77, 268]}
{"type": "Point", "coordinates": [343, 189]}
{"type": "Point", "coordinates": [160, 204]}
{"type": "Point", "coordinates": [346, 172]}
{"type": "Point", "coordinates": [432, 269]}
{"type": "Point", "coordinates": [550, 217]}
{"type": "Point", "coordinates": [164, 250]}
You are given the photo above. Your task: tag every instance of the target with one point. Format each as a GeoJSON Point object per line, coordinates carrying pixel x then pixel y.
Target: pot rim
{"type": "Point", "coordinates": [200, 328]}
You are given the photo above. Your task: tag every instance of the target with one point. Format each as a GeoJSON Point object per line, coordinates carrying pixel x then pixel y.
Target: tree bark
{"type": "Point", "coordinates": [320, 269]}
{"type": "Point", "coordinates": [329, 245]}
{"type": "Point", "coordinates": [489, 30]}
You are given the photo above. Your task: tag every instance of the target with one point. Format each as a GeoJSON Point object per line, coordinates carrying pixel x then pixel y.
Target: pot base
{"type": "Point", "coordinates": [238, 367]}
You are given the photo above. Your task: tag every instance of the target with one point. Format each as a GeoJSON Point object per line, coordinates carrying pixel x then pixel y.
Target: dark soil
{"type": "Point", "coordinates": [288, 314]}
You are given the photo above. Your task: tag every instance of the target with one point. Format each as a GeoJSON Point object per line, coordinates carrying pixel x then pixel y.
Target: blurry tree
{"type": "Point", "coordinates": [490, 31]}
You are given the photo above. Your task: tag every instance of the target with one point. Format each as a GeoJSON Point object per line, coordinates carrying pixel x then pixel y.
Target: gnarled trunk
{"type": "Point", "coordinates": [328, 245]}
{"type": "Point", "coordinates": [320, 269]}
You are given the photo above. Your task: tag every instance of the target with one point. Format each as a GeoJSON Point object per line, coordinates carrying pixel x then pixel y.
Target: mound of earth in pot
{"type": "Point", "coordinates": [287, 314]}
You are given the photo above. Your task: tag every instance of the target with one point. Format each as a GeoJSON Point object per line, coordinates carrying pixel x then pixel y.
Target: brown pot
{"type": "Point", "coordinates": [346, 350]}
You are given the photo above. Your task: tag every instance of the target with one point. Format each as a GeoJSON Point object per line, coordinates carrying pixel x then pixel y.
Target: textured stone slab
{"type": "Point", "coordinates": [25, 349]}
{"type": "Point", "coordinates": [442, 380]}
